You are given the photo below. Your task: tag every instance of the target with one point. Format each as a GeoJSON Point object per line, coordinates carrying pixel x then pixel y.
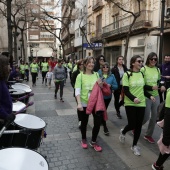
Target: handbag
{"type": "Point", "coordinates": [106, 89]}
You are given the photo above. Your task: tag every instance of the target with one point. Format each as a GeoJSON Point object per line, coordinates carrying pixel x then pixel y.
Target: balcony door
{"type": "Point", "coordinates": [99, 25]}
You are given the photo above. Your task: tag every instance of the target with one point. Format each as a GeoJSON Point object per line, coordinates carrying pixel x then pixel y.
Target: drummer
{"type": "Point", "coordinates": [34, 71]}
{"type": "Point", "coordinates": [15, 74]}
{"type": "Point", "coordinates": [5, 98]}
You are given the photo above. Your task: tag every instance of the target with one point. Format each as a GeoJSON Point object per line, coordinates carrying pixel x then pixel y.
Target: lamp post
{"type": "Point", "coordinates": [161, 31]}
{"type": "Point", "coordinates": [21, 48]}
{"type": "Point", "coordinates": [82, 35]}
{"type": "Point", "coordinates": [60, 51]}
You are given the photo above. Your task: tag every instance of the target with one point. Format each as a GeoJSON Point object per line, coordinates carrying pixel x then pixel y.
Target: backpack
{"type": "Point", "coordinates": [161, 111]}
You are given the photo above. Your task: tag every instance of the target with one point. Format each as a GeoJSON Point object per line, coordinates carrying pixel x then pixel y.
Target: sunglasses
{"type": "Point", "coordinates": [139, 61]}
{"type": "Point", "coordinates": [101, 58]}
{"type": "Point", "coordinates": [105, 67]}
{"type": "Point", "coordinates": [155, 59]}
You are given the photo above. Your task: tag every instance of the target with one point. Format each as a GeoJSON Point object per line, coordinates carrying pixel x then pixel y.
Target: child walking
{"type": "Point", "coordinates": [49, 77]}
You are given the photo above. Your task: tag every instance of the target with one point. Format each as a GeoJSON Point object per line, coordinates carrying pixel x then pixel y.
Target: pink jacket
{"type": "Point", "coordinates": [96, 101]}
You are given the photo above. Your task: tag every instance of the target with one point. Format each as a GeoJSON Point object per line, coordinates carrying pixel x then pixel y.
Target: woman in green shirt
{"type": "Point", "coordinates": [152, 77]}
{"type": "Point", "coordinates": [44, 66]}
{"type": "Point", "coordinates": [134, 89]}
{"type": "Point", "coordinates": [83, 86]}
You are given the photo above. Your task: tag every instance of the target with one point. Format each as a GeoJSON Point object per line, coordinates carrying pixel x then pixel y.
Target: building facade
{"type": "Point", "coordinates": [41, 42]}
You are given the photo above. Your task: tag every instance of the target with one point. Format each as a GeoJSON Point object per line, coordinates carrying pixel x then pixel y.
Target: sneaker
{"type": "Point", "coordinates": [61, 100]}
{"type": "Point", "coordinates": [118, 115]}
{"type": "Point", "coordinates": [55, 96]}
{"type": "Point", "coordinates": [136, 150]}
{"type": "Point", "coordinates": [154, 167]}
{"type": "Point", "coordinates": [149, 139]}
{"type": "Point", "coordinates": [79, 124]}
{"type": "Point", "coordinates": [122, 137]}
{"type": "Point", "coordinates": [106, 131]}
{"type": "Point", "coordinates": [84, 144]}
{"type": "Point", "coordinates": [95, 146]}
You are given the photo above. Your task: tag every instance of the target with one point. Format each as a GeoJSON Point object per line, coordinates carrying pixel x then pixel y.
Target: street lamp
{"type": "Point", "coordinates": [21, 47]}
{"type": "Point", "coordinates": [161, 31]}
{"type": "Point", "coordinates": [82, 35]}
{"type": "Point", "coordinates": [60, 51]}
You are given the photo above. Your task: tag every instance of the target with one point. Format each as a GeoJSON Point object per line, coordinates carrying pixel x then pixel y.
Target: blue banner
{"type": "Point", "coordinates": [93, 45]}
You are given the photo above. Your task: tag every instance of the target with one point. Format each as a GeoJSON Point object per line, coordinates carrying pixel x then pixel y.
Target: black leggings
{"type": "Point", "coordinates": [106, 102]}
{"type": "Point", "coordinates": [161, 159]}
{"type": "Point", "coordinates": [78, 112]}
{"type": "Point", "coordinates": [61, 84]}
{"type": "Point", "coordinates": [97, 117]}
{"type": "Point", "coordinates": [43, 76]}
{"type": "Point", "coordinates": [118, 103]}
{"type": "Point", "coordinates": [34, 75]}
{"type": "Point", "coordinates": [135, 117]}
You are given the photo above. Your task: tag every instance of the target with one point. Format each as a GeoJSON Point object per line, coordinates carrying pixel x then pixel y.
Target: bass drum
{"type": "Point", "coordinates": [16, 94]}
{"type": "Point", "coordinates": [17, 106]}
{"type": "Point", "coordinates": [21, 159]}
{"type": "Point", "coordinates": [36, 127]}
{"type": "Point", "coordinates": [23, 87]}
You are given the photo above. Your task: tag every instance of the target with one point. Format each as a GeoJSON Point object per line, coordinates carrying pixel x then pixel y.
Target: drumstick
{"type": "Point", "coordinates": [23, 97]}
{"type": "Point", "coordinates": [29, 104]}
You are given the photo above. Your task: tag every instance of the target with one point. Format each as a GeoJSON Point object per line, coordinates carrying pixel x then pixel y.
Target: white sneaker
{"type": "Point", "coordinates": [122, 137]}
{"type": "Point", "coordinates": [79, 124]}
{"type": "Point", "coordinates": [136, 150]}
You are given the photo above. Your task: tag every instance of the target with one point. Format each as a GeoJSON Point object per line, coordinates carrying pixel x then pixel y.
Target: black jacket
{"type": "Point", "coordinates": [73, 77]}
{"type": "Point", "coordinates": [115, 71]}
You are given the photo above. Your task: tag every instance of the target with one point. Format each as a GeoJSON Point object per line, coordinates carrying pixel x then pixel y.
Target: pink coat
{"type": "Point", "coordinates": [96, 101]}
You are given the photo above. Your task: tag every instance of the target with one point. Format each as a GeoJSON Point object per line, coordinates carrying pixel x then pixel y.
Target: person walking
{"type": "Point", "coordinates": [164, 141]}
{"type": "Point", "coordinates": [165, 76]}
{"type": "Point", "coordinates": [99, 62]}
{"type": "Point", "coordinates": [83, 87]}
{"type": "Point", "coordinates": [152, 77]}
{"type": "Point", "coordinates": [49, 77]}
{"type": "Point", "coordinates": [59, 77]}
{"type": "Point", "coordinates": [22, 70]}
{"type": "Point", "coordinates": [118, 70]}
{"type": "Point", "coordinates": [134, 88]}
{"type": "Point", "coordinates": [109, 78]}
{"type": "Point", "coordinates": [70, 65]}
{"type": "Point", "coordinates": [45, 67]}
{"type": "Point", "coordinates": [27, 71]}
{"type": "Point", "coordinates": [73, 81]}
{"type": "Point", "coordinates": [34, 71]}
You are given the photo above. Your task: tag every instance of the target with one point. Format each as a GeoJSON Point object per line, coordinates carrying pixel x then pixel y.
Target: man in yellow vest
{"type": "Point", "coordinates": [22, 70]}
{"type": "Point", "coordinates": [27, 71]}
{"type": "Point", "coordinates": [44, 66]}
{"type": "Point", "coordinates": [34, 71]}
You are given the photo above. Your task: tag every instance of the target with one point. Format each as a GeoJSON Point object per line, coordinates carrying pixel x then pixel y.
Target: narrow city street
{"type": "Point", "coordinates": [62, 145]}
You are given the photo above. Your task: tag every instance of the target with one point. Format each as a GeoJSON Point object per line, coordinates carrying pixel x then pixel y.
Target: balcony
{"type": "Point", "coordinates": [122, 26]}
{"type": "Point", "coordinates": [97, 5]}
{"type": "Point", "coordinates": [97, 36]}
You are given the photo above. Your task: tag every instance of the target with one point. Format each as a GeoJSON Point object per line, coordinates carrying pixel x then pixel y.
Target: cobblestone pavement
{"type": "Point", "coordinates": [62, 145]}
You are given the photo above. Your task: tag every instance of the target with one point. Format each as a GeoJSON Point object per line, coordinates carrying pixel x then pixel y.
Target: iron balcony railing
{"type": "Point", "coordinates": [122, 25]}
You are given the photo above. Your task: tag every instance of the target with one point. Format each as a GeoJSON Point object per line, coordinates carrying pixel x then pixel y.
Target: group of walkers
{"type": "Point", "coordinates": [138, 88]}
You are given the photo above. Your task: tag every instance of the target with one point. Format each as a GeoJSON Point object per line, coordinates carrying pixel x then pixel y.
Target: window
{"type": "Point", "coordinates": [116, 21]}
{"type": "Point", "coordinates": [99, 24]}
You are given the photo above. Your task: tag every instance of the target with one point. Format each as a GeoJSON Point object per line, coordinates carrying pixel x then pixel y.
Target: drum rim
{"type": "Point", "coordinates": [30, 128]}
{"type": "Point", "coordinates": [27, 149]}
{"type": "Point", "coordinates": [16, 90]}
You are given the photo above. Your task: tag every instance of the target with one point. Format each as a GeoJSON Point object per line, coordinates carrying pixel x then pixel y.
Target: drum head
{"type": "Point", "coordinates": [21, 159]}
{"type": "Point", "coordinates": [29, 121]}
{"type": "Point", "coordinates": [16, 92]}
{"type": "Point", "coordinates": [18, 106]}
{"type": "Point", "coordinates": [22, 87]}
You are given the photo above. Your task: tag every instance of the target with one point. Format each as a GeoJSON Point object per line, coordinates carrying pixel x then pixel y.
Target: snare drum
{"type": "Point", "coordinates": [17, 106]}
{"type": "Point", "coordinates": [17, 93]}
{"type": "Point", "coordinates": [21, 159]}
{"type": "Point", "coordinates": [24, 87]}
{"type": "Point", "coordinates": [33, 123]}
